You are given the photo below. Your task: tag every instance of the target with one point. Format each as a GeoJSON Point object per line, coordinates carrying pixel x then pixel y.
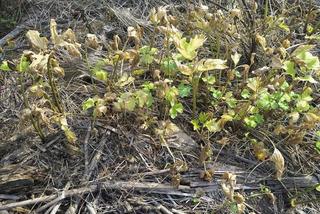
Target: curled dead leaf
{"type": "Point", "coordinates": [67, 40]}
{"type": "Point", "coordinates": [92, 41]}
{"type": "Point", "coordinates": [228, 191]}
{"type": "Point", "coordinates": [37, 41]}
{"type": "Point", "coordinates": [278, 161]}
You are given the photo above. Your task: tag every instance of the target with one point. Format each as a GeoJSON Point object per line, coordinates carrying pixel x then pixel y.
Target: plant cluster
{"type": "Point", "coordinates": [199, 67]}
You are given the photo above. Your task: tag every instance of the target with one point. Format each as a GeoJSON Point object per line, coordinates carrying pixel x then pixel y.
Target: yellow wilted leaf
{"type": "Point", "coordinates": [211, 64]}
{"type": "Point", "coordinates": [278, 161]}
{"type": "Point", "coordinates": [58, 40]}
{"type": "Point", "coordinates": [235, 13]}
{"type": "Point", "coordinates": [294, 117]}
{"type": "Point", "coordinates": [260, 151]}
{"type": "Point", "coordinates": [39, 63]}
{"type": "Point", "coordinates": [69, 36]}
{"type": "Point", "coordinates": [55, 37]}
{"type": "Point", "coordinates": [188, 49]}
{"type": "Point", "coordinates": [184, 69]}
{"type": "Point", "coordinates": [73, 50]}
{"type": "Point", "coordinates": [132, 32]}
{"type": "Point", "coordinates": [261, 41]}
{"type": "Point", "coordinates": [37, 41]}
{"type": "Point", "coordinates": [228, 184]}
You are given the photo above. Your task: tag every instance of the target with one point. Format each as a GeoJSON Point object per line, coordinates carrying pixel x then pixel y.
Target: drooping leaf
{"type": "Point", "coordinates": [211, 64]}
{"type": "Point", "coordinates": [39, 63]}
{"type": "Point", "coordinates": [58, 40]}
{"type": "Point", "coordinates": [71, 136]}
{"type": "Point", "coordinates": [184, 69]}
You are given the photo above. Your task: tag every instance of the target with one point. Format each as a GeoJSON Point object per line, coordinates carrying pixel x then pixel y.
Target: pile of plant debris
{"type": "Point", "coordinates": [161, 107]}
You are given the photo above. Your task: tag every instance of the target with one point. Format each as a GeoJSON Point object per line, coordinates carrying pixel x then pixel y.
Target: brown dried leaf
{"type": "Point", "coordinates": [278, 161]}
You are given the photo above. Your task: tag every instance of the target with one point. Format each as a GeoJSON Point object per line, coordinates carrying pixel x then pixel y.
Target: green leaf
{"type": "Point", "coordinates": [249, 121]}
{"type": "Point", "coordinates": [175, 109]}
{"type": "Point", "coordinates": [89, 103]}
{"type": "Point", "coordinates": [210, 79]}
{"type": "Point", "coordinates": [149, 86]}
{"type": "Point", "coordinates": [203, 117]}
{"type": "Point", "coordinates": [312, 62]}
{"type": "Point", "coordinates": [245, 93]}
{"type": "Point", "coordinates": [318, 187]}
{"type": "Point", "coordinates": [308, 78]}
{"type": "Point", "coordinates": [101, 75]}
{"type": "Point", "coordinates": [171, 95]}
{"type": "Point", "coordinates": [169, 66]}
{"type": "Point", "coordinates": [212, 125]}
{"type": "Point", "coordinates": [288, 66]}
{"type": "Point", "coordinates": [301, 50]}
{"type": "Point", "coordinates": [283, 26]}
{"type": "Point", "coordinates": [196, 125]}
{"type": "Point", "coordinates": [216, 93]}
{"type": "Point", "coordinates": [24, 64]}
{"type": "Point", "coordinates": [184, 90]}
{"type": "Point", "coordinates": [254, 120]}
{"type": "Point", "coordinates": [4, 66]}
{"type": "Point", "coordinates": [125, 80]}
{"type": "Point", "coordinates": [233, 208]}
{"type": "Point", "coordinates": [317, 145]}
{"type": "Point", "coordinates": [230, 100]}
{"type": "Point", "coordinates": [144, 98]}
{"type": "Point", "coordinates": [302, 106]}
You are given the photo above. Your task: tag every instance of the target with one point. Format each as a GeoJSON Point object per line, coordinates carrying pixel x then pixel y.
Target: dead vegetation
{"type": "Point", "coordinates": [160, 107]}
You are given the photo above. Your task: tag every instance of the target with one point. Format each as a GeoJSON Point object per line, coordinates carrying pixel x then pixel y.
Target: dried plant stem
{"type": "Point", "coordinates": [56, 98]}
{"type": "Point", "coordinates": [34, 121]}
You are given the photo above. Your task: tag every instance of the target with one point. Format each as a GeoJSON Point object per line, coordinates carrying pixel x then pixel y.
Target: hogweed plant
{"type": "Point", "coordinates": [210, 64]}
{"type": "Point", "coordinates": [39, 73]}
